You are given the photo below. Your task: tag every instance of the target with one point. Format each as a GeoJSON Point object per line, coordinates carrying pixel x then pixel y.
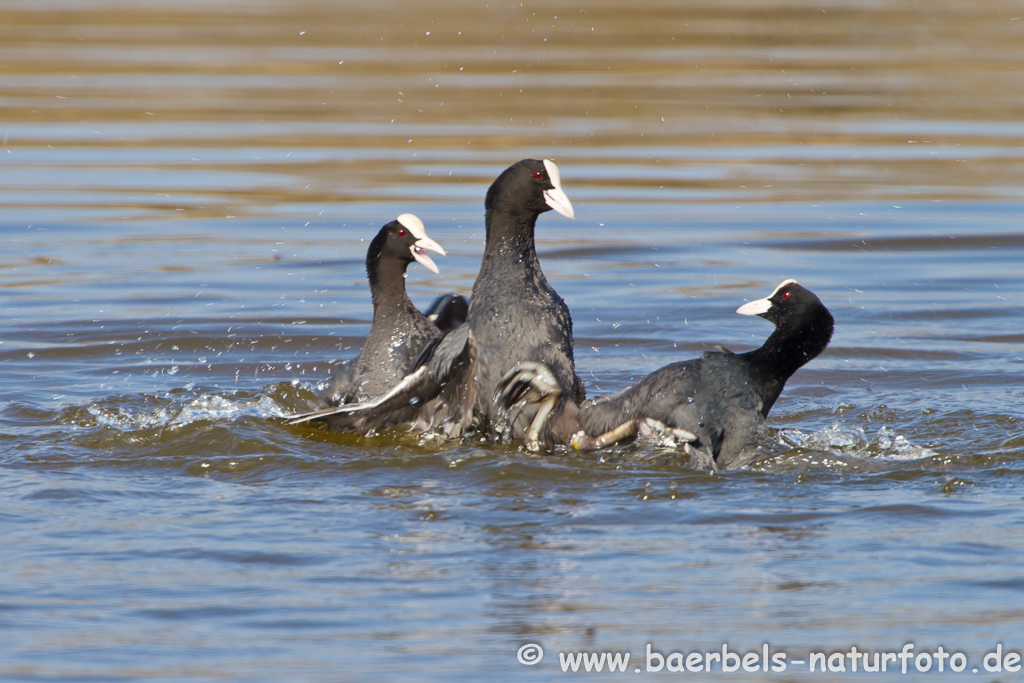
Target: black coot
{"type": "Point", "coordinates": [514, 315]}
{"type": "Point", "coordinates": [715, 405]}
{"type": "Point", "coordinates": [399, 332]}
{"type": "Point", "coordinates": [447, 311]}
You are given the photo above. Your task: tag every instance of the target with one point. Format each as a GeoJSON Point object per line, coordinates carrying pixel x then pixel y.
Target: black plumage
{"type": "Point", "coordinates": [716, 404]}
{"type": "Point", "coordinates": [447, 311]}
{"type": "Point", "coordinates": [514, 312]}
{"type": "Point", "coordinates": [399, 332]}
{"type": "Point", "coordinates": [514, 315]}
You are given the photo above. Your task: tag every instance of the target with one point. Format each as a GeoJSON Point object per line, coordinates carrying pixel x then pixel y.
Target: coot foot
{"type": "Point", "coordinates": [645, 428]}
{"type": "Point", "coordinates": [530, 382]}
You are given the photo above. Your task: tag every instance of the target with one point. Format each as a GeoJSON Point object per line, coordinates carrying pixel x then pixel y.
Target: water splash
{"type": "Point", "coordinates": [854, 441]}
{"type": "Point", "coordinates": [206, 407]}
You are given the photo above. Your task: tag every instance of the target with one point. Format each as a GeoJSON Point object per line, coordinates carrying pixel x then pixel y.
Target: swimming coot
{"type": "Point", "coordinates": [514, 315]}
{"type": "Point", "coordinates": [399, 332]}
{"type": "Point", "coordinates": [714, 405]}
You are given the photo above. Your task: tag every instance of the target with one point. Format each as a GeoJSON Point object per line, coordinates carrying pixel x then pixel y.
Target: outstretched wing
{"type": "Point", "coordinates": [405, 389]}
{"type": "Point", "coordinates": [411, 400]}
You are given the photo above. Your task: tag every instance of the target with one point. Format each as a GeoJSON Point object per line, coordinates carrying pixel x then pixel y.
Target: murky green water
{"type": "Point", "coordinates": [187, 193]}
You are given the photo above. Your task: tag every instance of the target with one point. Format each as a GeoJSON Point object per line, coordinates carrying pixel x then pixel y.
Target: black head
{"type": "Point", "coordinates": [801, 320]}
{"type": "Point", "coordinates": [530, 186]}
{"type": "Point", "coordinates": [403, 239]}
{"type": "Point", "coordinates": [789, 304]}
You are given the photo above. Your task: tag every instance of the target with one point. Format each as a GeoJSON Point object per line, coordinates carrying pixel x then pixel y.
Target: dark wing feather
{"type": "Point", "coordinates": [400, 394]}
{"type": "Point", "coordinates": [410, 400]}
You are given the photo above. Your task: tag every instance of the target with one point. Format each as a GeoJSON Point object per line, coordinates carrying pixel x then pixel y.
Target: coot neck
{"type": "Point", "coordinates": [387, 286]}
{"type": "Point", "coordinates": [787, 350]}
{"type": "Point", "coordinates": [510, 238]}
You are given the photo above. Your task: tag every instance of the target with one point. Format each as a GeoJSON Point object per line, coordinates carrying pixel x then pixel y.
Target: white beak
{"type": "Point", "coordinates": [419, 253]}
{"type": "Point", "coordinates": [555, 197]}
{"type": "Point", "coordinates": [762, 306]}
{"type": "Point", "coordinates": [415, 226]}
{"type": "Point", "coordinates": [757, 307]}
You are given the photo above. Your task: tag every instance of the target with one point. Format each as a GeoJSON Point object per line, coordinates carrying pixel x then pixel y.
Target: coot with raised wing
{"type": "Point", "coordinates": [514, 315]}
{"type": "Point", "coordinates": [399, 332]}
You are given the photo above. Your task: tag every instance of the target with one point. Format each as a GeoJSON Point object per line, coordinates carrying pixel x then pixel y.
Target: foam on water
{"type": "Point", "coordinates": [206, 407]}
{"type": "Point", "coordinates": [854, 441]}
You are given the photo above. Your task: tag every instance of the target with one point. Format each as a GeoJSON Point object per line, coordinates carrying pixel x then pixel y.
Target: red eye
{"type": "Point", "coordinates": [401, 233]}
{"type": "Point", "coordinates": [538, 175]}
{"type": "Point", "coordinates": [785, 295]}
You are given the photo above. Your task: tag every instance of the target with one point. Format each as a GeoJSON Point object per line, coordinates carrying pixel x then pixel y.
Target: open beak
{"type": "Point", "coordinates": [419, 252]}
{"type": "Point", "coordinates": [555, 197]}
{"type": "Point", "coordinates": [422, 243]}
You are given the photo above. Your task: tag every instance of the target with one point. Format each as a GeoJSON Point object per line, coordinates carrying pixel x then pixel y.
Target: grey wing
{"type": "Point", "coordinates": [399, 397]}
{"type": "Point", "coordinates": [405, 401]}
{"type": "Point", "coordinates": [444, 356]}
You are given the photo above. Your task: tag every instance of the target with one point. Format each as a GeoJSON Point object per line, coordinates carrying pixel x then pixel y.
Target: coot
{"type": "Point", "coordinates": [399, 332]}
{"type": "Point", "coordinates": [714, 405]}
{"type": "Point", "coordinates": [514, 315]}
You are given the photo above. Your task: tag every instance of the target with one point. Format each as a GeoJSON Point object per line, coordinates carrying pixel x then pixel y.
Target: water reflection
{"type": "Point", "coordinates": [186, 194]}
{"type": "Point", "coordinates": [232, 108]}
